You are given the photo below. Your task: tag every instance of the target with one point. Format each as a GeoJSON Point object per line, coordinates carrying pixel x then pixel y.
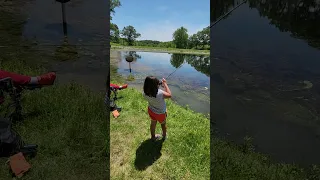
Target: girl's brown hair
{"type": "Point", "coordinates": [151, 85]}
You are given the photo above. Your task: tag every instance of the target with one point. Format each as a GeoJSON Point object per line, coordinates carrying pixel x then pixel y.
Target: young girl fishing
{"type": "Point", "coordinates": [156, 104]}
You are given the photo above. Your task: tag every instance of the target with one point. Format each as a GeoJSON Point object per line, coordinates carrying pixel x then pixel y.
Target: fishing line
{"type": "Point", "coordinates": [175, 70]}
{"type": "Point", "coordinates": [227, 14]}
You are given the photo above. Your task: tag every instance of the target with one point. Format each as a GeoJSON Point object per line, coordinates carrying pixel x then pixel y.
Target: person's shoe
{"type": "Point", "coordinates": [47, 79]}
{"type": "Point", "coordinates": [164, 137]}
{"type": "Point", "coordinates": [156, 137]}
{"type": "Point", "coordinates": [123, 86]}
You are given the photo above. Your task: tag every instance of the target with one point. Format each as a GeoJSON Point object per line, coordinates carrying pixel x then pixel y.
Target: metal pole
{"type": "Point", "coordinates": [64, 19]}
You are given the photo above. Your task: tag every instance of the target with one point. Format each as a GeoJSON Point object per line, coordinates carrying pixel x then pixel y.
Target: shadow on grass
{"type": "Point", "coordinates": [33, 114]}
{"type": "Point", "coordinates": [147, 153]}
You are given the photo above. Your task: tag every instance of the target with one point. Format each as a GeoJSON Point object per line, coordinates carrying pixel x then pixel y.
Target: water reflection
{"type": "Point", "coordinates": [301, 18]}
{"type": "Point", "coordinates": [266, 78]}
{"type": "Point", "coordinates": [66, 51]}
{"type": "Point", "coordinates": [177, 60]}
{"type": "Point", "coordinates": [64, 20]}
{"type": "Point", "coordinates": [200, 63]}
{"type": "Point", "coordinates": [221, 7]}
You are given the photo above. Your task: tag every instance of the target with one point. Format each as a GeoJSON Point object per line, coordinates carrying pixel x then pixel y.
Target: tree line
{"type": "Point", "coordinates": [180, 38]}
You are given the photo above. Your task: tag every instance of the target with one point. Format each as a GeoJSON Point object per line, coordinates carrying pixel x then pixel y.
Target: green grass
{"type": "Point", "coordinates": [160, 49]}
{"type": "Point", "coordinates": [184, 155]}
{"type": "Point", "coordinates": [69, 126]}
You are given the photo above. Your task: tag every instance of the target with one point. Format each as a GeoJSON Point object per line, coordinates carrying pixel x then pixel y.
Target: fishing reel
{"type": "Point", "coordinates": [160, 82]}
{"type": "Point", "coordinates": [17, 144]}
{"type": "Point", "coordinates": [15, 92]}
{"type": "Point", "coordinates": [113, 96]}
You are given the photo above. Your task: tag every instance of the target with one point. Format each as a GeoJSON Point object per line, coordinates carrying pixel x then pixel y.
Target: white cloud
{"type": "Point", "coordinates": [163, 30]}
{"type": "Point", "coordinates": [162, 8]}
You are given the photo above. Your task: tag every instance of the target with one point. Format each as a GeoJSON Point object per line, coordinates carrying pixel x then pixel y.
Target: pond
{"type": "Point", "coordinates": [267, 53]}
{"type": "Point", "coordinates": [188, 75]}
{"type": "Point", "coordinates": [80, 53]}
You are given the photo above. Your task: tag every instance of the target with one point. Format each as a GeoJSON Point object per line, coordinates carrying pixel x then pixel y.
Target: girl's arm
{"type": "Point", "coordinates": [167, 92]}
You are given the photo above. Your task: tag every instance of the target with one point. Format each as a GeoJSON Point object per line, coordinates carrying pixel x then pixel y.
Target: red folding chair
{"type": "Point", "coordinates": [113, 96]}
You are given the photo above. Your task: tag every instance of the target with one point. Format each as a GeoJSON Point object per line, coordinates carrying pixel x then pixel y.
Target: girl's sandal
{"type": "Point", "coordinates": [157, 137]}
{"type": "Point", "coordinates": [164, 137]}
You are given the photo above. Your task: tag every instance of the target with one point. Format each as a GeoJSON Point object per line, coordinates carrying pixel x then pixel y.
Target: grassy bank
{"type": "Point", "coordinates": [67, 122]}
{"type": "Point", "coordinates": [160, 49]}
{"type": "Point", "coordinates": [184, 155]}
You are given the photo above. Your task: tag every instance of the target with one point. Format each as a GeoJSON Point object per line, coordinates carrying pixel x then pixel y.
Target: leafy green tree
{"type": "Point", "coordinates": [130, 33]}
{"type": "Point", "coordinates": [114, 4]}
{"type": "Point", "coordinates": [149, 43]}
{"type": "Point", "coordinates": [114, 33]}
{"type": "Point", "coordinates": [193, 41]}
{"type": "Point", "coordinates": [168, 44]}
{"type": "Point", "coordinates": [114, 30]}
{"type": "Point", "coordinates": [180, 38]}
{"type": "Point", "coordinates": [204, 37]}
{"type": "Point", "coordinates": [200, 38]}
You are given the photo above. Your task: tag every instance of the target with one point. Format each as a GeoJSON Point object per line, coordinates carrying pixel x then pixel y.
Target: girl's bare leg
{"type": "Point", "coordinates": [164, 129]}
{"type": "Point", "coordinates": [153, 129]}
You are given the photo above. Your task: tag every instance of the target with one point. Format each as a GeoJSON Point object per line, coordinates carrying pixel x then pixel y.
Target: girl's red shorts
{"type": "Point", "coordinates": [161, 118]}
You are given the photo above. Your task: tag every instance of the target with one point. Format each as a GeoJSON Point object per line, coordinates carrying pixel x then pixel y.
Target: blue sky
{"type": "Point", "coordinates": [157, 20]}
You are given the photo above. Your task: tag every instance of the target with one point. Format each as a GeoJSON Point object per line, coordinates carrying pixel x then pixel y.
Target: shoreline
{"type": "Point", "coordinates": [159, 50]}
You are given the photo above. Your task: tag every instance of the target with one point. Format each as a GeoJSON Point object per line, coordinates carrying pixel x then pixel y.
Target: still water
{"type": "Point", "coordinates": [84, 58]}
{"type": "Point", "coordinates": [266, 80]}
{"type": "Point", "coordinates": [189, 80]}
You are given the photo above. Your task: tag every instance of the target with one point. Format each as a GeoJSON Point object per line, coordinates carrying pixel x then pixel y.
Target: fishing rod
{"type": "Point", "coordinates": [175, 70]}
{"type": "Point", "coordinates": [172, 73]}
{"type": "Point", "coordinates": [227, 14]}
